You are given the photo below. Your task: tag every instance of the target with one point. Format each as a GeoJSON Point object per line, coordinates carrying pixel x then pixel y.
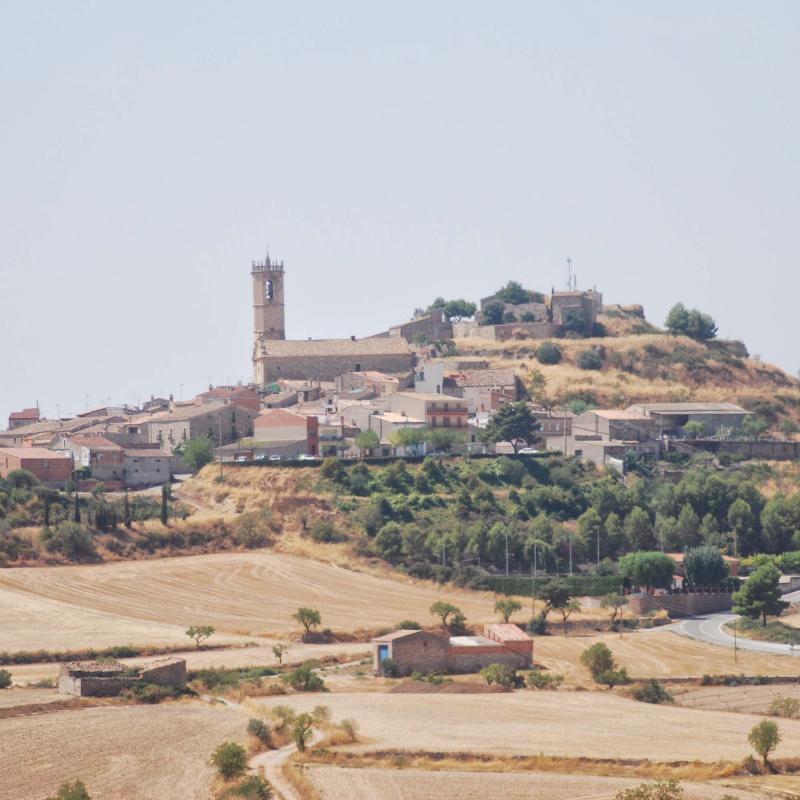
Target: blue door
{"type": "Point", "coordinates": [383, 653]}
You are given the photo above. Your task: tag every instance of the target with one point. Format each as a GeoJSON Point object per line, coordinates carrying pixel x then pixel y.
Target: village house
{"type": "Point", "coordinates": [369, 384]}
{"type": "Point", "coordinates": [50, 468]}
{"type": "Point", "coordinates": [18, 419]}
{"type": "Point", "coordinates": [146, 467]}
{"type": "Point", "coordinates": [220, 422]}
{"type": "Point", "coordinates": [244, 396]}
{"type": "Point", "coordinates": [420, 651]}
{"type": "Point", "coordinates": [286, 433]}
{"type": "Point", "coordinates": [436, 410]}
{"type": "Point", "coordinates": [672, 418]}
{"type": "Point", "coordinates": [483, 389]}
{"type": "Point", "coordinates": [102, 457]}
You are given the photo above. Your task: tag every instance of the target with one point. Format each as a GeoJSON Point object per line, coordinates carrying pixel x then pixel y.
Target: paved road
{"type": "Point", "coordinates": [710, 628]}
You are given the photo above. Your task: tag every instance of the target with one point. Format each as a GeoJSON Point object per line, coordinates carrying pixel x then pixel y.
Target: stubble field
{"type": "Point", "coordinates": [595, 724]}
{"type": "Point", "coordinates": [125, 753]}
{"type": "Point", "coordinates": [244, 594]}
{"type": "Point", "coordinates": [338, 783]}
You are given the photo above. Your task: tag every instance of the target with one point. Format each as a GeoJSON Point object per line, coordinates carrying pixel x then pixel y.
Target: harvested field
{"type": "Point", "coordinates": [341, 783]}
{"type": "Point", "coordinates": [657, 653]}
{"type": "Point", "coordinates": [128, 753]}
{"type": "Point", "coordinates": [239, 593]}
{"type": "Point", "coordinates": [551, 723]}
{"type": "Point", "coordinates": [454, 687]}
{"type": "Point", "coordinates": [740, 699]}
{"type": "Point", "coordinates": [11, 698]}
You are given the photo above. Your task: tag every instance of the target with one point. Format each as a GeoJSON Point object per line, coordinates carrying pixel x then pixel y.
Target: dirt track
{"type": "Point", "coordinates": [127, 753]}
{"type": "Point", "coordinates": [239, 593]}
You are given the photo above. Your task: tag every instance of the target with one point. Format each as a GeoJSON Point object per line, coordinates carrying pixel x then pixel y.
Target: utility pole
{"type": "Point", "coordinates": [533, 581]}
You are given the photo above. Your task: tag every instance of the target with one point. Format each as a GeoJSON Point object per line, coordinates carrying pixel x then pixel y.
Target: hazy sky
{"type": "Point", "coordinates": [388, 153]}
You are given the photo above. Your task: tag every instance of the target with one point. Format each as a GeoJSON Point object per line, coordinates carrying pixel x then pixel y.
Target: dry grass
{"type": "Point", "coordinates": [740, 699]}
{"type": "Point", "coordinates": [595, 724]}
{"type": "Point", "coordinates": [415, 784]}
{"type": "Point", "coordinates": [657, 653]}
{"type": "Point", "coordinates": [128, 753]}
{"type": "Point", "coordinates": [717, 380]}
{"type": "Point", "coordinates": [154, 601]}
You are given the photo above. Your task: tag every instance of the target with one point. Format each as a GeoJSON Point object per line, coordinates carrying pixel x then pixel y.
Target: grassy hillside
{"type": "Point", "coordinates": [648, 367]}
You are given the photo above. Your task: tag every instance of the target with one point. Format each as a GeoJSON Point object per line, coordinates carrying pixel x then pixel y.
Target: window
{"type": "Point", "coordinates": [358, 368]}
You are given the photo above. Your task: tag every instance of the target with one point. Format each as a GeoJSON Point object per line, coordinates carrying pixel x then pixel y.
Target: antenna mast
{"type": "Point", "coordinates": [572, 279]}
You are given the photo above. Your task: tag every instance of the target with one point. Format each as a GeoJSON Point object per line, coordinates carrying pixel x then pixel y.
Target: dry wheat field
{"type": "Point", "coordinates": [596, 724]}
{"type": "Point", "coordinates": [125, 753]}
{"type": "Point", "coordinates": [152, 602]}
{"type": "Point", "coordinates": [341, 783]}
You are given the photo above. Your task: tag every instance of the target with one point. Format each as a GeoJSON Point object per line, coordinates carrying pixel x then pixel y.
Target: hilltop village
{"type": "Point", "coordinates": [430, 384]}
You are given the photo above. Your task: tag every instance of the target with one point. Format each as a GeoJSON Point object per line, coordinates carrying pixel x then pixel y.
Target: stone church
{"type": "Point", "coordinates": [275, 357]}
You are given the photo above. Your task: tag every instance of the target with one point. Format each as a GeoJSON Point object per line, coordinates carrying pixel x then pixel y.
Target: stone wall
{"type": "Point", "coordinates": [502, 333]}
{"type": "Point", "coordinates": [473, 658]}
{"type": "Point", "coordinates": [165, 672]}
{"type": "Point", "coordinates": [681, 605]}
{"type": "Point", "coordinates": [434, 327]}
{"type": "Point", "coordinates": [327, 368]}
{"type": "Point", "coordinates": [769, 450]}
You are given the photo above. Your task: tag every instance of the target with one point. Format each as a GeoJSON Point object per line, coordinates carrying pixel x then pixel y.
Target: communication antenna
{"type": "Point", "coordinates": [572, 279]}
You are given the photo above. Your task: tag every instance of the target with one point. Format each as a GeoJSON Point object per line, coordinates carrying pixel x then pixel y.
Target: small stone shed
{"type": "Point", "coordinates": [98, 679]}
{"type": "Point", "coordinates": [421, 651]}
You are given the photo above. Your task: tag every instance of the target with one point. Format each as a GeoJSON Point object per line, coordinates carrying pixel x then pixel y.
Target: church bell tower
{"type": "Point", "coordinates": [268, 310]}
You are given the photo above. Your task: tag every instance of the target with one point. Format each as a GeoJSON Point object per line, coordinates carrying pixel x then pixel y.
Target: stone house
{"type": "Point", "coordinates": [146, 467]}
{"type": "Point", "coordinates": [431, 327]}
{"type": "Point", "coordinates": [51, 468]}
{"type": "Point", "coordinates": [96, 679]}
{"type": "Point", "coordinates": [102, 457]}
{"type": "Point", "coordinates": [244, 396]}
{"type": "Point", "coordinates": [483, 389]}
{"type": "Point", "coordinates": [576, 309]}
{"type": "Point", "coordinates": [222, 421]}
{"type": "Point", "coordinates": [421, 651]}
{"type": "Point", "coordinates": [370, 383]}
{"type": "Point", "coordinates": [608, 424]}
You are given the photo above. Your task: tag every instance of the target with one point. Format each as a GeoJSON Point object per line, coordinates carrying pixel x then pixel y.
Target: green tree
{"type": "Point", "coordinates": [367, 441]}
{"type": "Point", "coordinates": [548, 353]}
{"type": "Point", "coordinates": [514, 423]}
{"type": "Point", "coordinates": [788, 427]}
{"type": "Point", "coordinates": [196, 453]}
{"type": "Point", "coordinates": [200, 633]}
{"type": "Point", "coordinates": [764, 738]}
{"type": "Point", "coordinates": [651, 570]}
{"type": "Point", "coordinates": [513, 293]}
{"type": "Point", "coordinates": [309, 618]}
{"type": "Point", "coordinates": [507, 607]}
{"type": "Point", "coordinates": [165, 492]}
{"type": "Point", "coordinates": [556, 595]}
{"type": "Point", "coordinates": [742, 523]}
{"type": "Point", "coordinates": [492, 313]}
{"type": "Point", "coordinates": [690, 322]}
{"type": "Point", "coordinates": [500, 674]}
{"type": "Point", "coordinates": [72, 791]}
{"type": "Point", "coordinates": [444, 611]}
{"type": "Point", "coordinates": [760, 595]}
{"type": "Point", "coordinates": [590, 527]}
{"type": "Point", "coordinates": [695, 429]}
{"type": "Point", "coordinates": [754, 427]}
{"type": "Point", "coordinates": [598, 659]}
{"type": "Point", "coordinates": [688, 526]}
{"type": "Point", "coordinates": [230, 759]}
{"type": "Point", "coordinates": [459, 309]}
{"type": "Point", "coordinates": [389, 542]}
{"type": "Point", "coordinates": [704, 566]}
{"type": "Point", "coordinates": [279, 651]}
{"type": "Point", "coordinates": [5, 679]}
{"type": "Point", "coordinates": [639, 529]}
{"type": "Point", "coordinates": [301, 731]}
{"type": "Point", "coordinates": [407, 437]}
{"type": "Point", "coordinates": [615, 602]}
{"type": "Point", "coordinates": [304, 679]}
{"type": "Point", "coordinates": [70, 539]}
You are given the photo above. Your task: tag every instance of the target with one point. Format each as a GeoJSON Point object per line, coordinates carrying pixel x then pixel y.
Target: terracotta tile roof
{"type": "Point", "coordinates": [507, 632]}
{"type": "Point", "coordinates": [186, 412]}
{"type": "Point", "coordinates": [33, 452]}
{"type": "Point", "coordinates": [278, 418]}
{"type": "Point", "coordinates": [94, 442]}
{"type": "Point", "coordinates": [26, 413]}
{"type": "Point", "coordinates": [393, 345]}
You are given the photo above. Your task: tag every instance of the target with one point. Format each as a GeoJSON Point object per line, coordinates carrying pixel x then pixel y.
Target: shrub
{"type": "Point", "coordinates": [597, 659]}
{"type": "Point", "coordinates": [537, 679]}
{"type": "Point", "coordinates": [589, 359]}
{"type": "Point", "coordinates": [409, 625]}
{"type": "Point", "coordinates": [660, 790]}
{"type": "Point", "coordinates": [613, 677]}
{"type": "Point", "coordinates": [350, 729]}
{"type": "Point", "coordinates": [538, 624]}
{"type": "Point", "coordinates": [304, 679]}
{"type": "Point", "coordinates": [151, 693]}
{"type": "Point", "coordinates": [71, 540]}
{"type": "Point", "coordinates": [785, 707]}
{"type": "Point", "coordinates": [389, 668]}
{"type": "Point", "coordinates": [548, 353]}
{"type": "Point", "coordinates": [500, 674]}
{"type": "Point", "coordinates": [253, 787]}
{"type": "Point", "coordinates": [259, 730]}
{"type": "Point", "coordinates": [5, 679]}
{"type": "Point", "coordinates": [230, 759]}
{"type": "Point", "coordinates": [651, 692]}
{"type": "Point", "coordinates": [301, 731]}
{"type": "Point", "coordinates": [324, 530]}
{"type": "Point", "coordinates": [71, 791]}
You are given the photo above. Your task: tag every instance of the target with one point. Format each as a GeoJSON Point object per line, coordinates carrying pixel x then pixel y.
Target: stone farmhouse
{"type": "Point", "coordinates": [100, 679]}
{"type": "Point", "coordinates": [422, 651]}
